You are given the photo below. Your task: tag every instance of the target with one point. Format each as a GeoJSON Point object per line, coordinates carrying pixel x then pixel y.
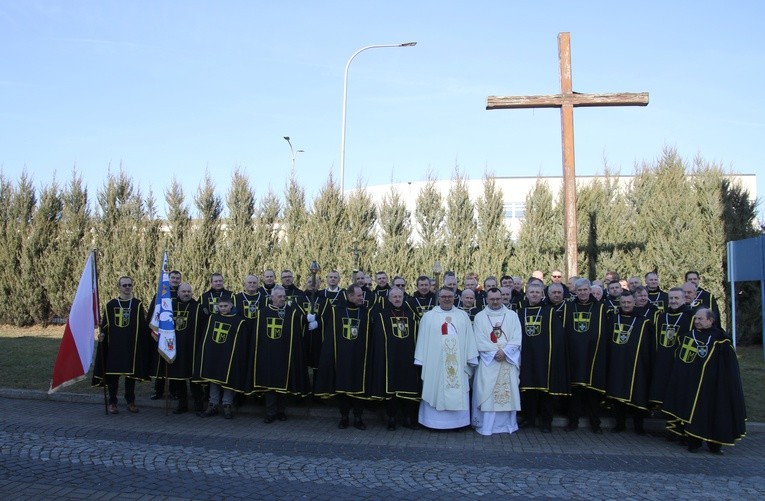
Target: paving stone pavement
{"type": "Point", "coordinates": [53, 449]}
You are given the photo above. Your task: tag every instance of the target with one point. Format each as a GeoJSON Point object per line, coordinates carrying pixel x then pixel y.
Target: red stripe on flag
{"type": "Point", "coordinates": [68, 366]}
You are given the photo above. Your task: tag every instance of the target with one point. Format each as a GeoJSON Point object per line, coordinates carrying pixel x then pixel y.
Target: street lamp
{"type": "Point", "coordinates": [293, 151]}
{"type": "Point", "coordinates": [345, 103]}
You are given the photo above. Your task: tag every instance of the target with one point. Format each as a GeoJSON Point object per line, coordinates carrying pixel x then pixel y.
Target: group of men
{"type": "Point", "coordinates": [444, 358]}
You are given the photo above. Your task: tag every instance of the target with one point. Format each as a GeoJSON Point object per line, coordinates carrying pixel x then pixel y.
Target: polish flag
{"type": "Point", "coordinates": [76, 351]}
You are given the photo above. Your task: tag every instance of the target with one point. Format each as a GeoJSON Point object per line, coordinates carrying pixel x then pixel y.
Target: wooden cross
{"type": "Point", "coordinates": [567, 100]}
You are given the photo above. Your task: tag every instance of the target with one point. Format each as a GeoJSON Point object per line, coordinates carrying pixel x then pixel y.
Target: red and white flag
{"type": "Point", "coordinates": [76, 351]}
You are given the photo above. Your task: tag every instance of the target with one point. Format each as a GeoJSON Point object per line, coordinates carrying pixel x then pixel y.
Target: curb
{"type": "Point", "coordinates": [310, 409]}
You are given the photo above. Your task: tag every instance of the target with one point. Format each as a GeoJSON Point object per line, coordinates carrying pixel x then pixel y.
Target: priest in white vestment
{"type": "Point", "coordinates": [447, 352]}
{"type": "Point", "coordinates": [496, 393]}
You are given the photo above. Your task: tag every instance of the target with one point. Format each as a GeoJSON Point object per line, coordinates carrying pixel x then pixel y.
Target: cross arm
{"type": "Point", "coordinates": [574, 99]}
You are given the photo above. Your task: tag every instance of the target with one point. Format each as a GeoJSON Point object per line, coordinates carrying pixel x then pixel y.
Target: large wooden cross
{"type": "Point", "coordinates": [566, 101]}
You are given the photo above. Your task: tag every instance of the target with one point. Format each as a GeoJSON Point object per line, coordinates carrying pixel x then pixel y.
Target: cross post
{"type": "Point", "coordinates": [567, 100]}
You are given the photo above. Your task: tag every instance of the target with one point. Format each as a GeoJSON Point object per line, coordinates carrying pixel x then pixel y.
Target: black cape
{"type": "Point", "coordinates": [278, 363]}
{"type": "Point", "coordinates": [223, 353]}
{"type": "Point", "coordinates": [395, 337]}
{"type": "Point", "coordinates": [705, 392]}
{"type": "Point", "coordinates": [628, 366]}
{"type": "Point", "coordinates": [209, 300]}
{"type": "Point", "coordinates": [345, 361]}
{"type": "Point", "coordinates": [543, 351]}
{"type": "Point", "coordinates": [586, 344]}
{"type": "Point", "coordinates": [670, 326]}
{"type": "Point", "coordinates": [422, 304]}
{"type": "Point", "coordinates": [126, 348]}
{"type": "Point", "coordinates": [189, 322]}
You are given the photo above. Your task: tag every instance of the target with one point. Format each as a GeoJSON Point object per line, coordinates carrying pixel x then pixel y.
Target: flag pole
{"type": "Point", "coordinates": [98, 317]}
{"type": "Point", "coordinates": [167, 390]}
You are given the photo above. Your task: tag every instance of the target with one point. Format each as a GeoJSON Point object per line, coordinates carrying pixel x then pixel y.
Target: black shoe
{"type": "Point", "coordinates": [571, 427]}
{"type": "Point", "coordinates": [157, 396]}
{"type": "Point", "coordinates": [199, 406]}
{"type": "Point", "coordinates": [546, 429]}
{"type": "Point", "coordinates": [391, 424]}
{"type": "Point", "coordinates": [228, 412]}
{"type": "Point", "coordinates": [212, 410]}
{"type": "Point", "coordinates": [618, 428]}
{"type": "Point", "coordinates": [269, 419]}
{"type": "Point", "coordinates": [181, 408]}
{"type": "Point", "coordinates": [639, 430]}
{"type": "Point", "coordinates": [523, 423]}
{"type": "Point", "coordinates": [671, 437]}
{"type": "Point", "coordinates": [343, 424]}
{"type": "Point", "coordinates": [359, 424]}
{"type": "Point", "coordinates": [694, 448]}
{"type": "Point", "coordinates": [718, 452]}
{"type": "Point", "coordinates": [281, 416]}
{"type": "Point", "coordinates": [597, 430]}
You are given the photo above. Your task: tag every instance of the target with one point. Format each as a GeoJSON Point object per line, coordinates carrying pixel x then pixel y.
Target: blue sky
{"type": "Point", "coordinates": [180, 88]}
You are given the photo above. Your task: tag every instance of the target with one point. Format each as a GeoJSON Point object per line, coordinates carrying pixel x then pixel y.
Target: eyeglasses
{"type": "Point", "coordinates": [557, 276]}
{"type": "Point", "coordinates": [400, 285]}
{"type": "Point", "coordinates": [126, 285]}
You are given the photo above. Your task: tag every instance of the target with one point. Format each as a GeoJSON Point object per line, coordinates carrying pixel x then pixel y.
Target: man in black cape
{"type": "Point", "coordinates": [395, 378]}
{"type": "Point", "coordinates": [544, 373]}
{"type": "Point", "coordinates": [629, 363]}
{"type": "Point", "coordinates": [175, 279]}
{"type": "Point", "coordinates": [213, 295]}
{"type": "Point", "coordinates": [124, 346]}
{"type": "Point", "coordinates": [423, 299]}
{"type": "Point", "coordinates": [345, 362]}
{"type": "Point", "coordinates": [704, 391]}
{"type": "Point", "coordinates": [672, 324]}
{"type": "Point", "coordinates": [250, 300]}
{"type": "Point", "coordinates": [656, 296]}
{"type": "Point", "coordinates": [586, 321]}
{"type": "Point", "coordinates": [189, 322]}
{"type": "Point", "coordinates": [278, 366]}
{"type": "Point", "coordinates": [223, 358]}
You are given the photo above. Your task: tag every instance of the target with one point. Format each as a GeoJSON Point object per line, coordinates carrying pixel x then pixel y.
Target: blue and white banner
{"type": "Point", "coordinates": [162, 322]}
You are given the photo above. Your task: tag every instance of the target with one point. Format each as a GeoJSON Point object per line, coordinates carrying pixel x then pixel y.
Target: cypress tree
{"type": "Point", "coordinates": [38, 249]}
{"type": "Point", "coordinates": [237, 261]}
{"type": "Point", "coordinates": [708, 254]}
{"type": "Point", "coordinates": [493, 239]}
{"type": "Point", "coordinates": [329, 235]}
{"type": "Point", "coordinates": [7, 250]}
{"type": "Point", "coordinates": [265, 241]}
{"type": "Point", "coordinates": [118, 235]}
{"type": "Point", "coordinates": [739, 217]}
{"type": "Point", "coordinates": [296, 238]}
{"type": "Point", "coordinates": [395, 250]}
{"type": "Point", "coordinates": [72, 243]}
{"type": "Point", "coordinates": [429, 216]}
{"type": "Point", "coordinates": [177, 237]}
{"type": "Point", "coordinates": [460, 227]}
{"type": "Point", "coordinates": [362, 219]}
{"type": "Point", "coordinates": [205, 235]}
{"type": "Point", "coordinates": [150, 255]}
{"type": "Point", "coordinates": [21, 208]}
{"type": "Point", "coordinates": [603, 224]}
{"type": "Point", "coordinates": [540, 237]}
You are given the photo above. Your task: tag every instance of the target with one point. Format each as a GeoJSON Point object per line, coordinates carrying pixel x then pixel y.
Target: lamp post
{"type": "Point", "coordinates": [293, 151]}
{"type": "Point", "coordinates": [437, 269]}
{"type": "Point", "coordinates": [345, 103]}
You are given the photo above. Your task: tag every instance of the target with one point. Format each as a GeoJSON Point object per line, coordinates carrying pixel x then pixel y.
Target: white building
{"type": "Point", "coordinates": [515, 190]}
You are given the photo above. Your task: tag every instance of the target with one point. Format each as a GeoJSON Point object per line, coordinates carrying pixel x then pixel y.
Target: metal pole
{"type": "Point", "coordinates": [345, 103]}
